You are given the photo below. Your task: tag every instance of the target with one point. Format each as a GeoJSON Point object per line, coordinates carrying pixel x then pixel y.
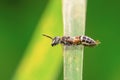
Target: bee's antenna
{"type": "Point", "coordinates": [47, 36]}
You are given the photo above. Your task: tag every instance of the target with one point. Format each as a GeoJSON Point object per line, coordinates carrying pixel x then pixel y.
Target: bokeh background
{"type": "Point", "coordinates": [26, 55]}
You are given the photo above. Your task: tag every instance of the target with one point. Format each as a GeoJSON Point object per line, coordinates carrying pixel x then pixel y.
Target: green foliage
{"type": "Point", "coordinates": [41, 61]}
{"type": "Point", "coordinates": [74, 14]}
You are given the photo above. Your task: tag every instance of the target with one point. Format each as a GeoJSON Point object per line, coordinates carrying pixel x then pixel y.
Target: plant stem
{"type": "Point", "coordinates": [74, 12]}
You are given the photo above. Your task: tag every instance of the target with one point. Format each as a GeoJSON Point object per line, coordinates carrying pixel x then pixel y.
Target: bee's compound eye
{"type": "Point", "coordinates": [55, 41]}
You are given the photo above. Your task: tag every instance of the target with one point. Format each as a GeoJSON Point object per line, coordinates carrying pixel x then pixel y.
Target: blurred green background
{"type": "Point", "coordinates": [26, 55]}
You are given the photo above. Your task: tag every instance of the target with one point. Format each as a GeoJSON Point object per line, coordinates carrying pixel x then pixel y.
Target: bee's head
{"type": "Point", "coordinates": [55, 41]}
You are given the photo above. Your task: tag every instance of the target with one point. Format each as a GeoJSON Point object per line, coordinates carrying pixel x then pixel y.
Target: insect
{"type": "Point", "coordinates": [69, 41]}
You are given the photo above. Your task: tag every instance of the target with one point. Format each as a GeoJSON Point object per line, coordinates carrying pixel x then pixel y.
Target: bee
{"type": "Point", "coordinates": [69, 41]}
